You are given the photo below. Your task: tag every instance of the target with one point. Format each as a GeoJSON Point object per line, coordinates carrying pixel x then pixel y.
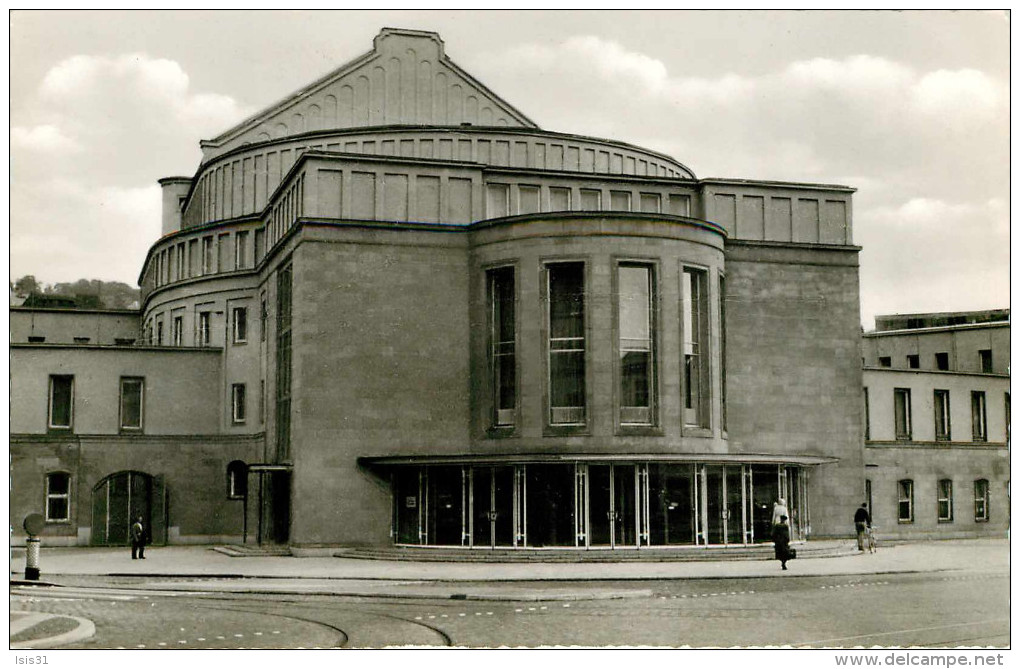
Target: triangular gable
{"type": "Point", "coordinates": [405, 80]}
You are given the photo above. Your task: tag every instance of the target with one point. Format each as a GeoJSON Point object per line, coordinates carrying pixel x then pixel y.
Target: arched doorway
{"type": "Point", "coordinates": [120, 498]}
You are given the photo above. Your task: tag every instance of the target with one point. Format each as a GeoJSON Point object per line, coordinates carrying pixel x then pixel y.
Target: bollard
{"type": "Point", "coordinates": [33, 525]}
{"type": "Point", "coordinates": [32, 559]}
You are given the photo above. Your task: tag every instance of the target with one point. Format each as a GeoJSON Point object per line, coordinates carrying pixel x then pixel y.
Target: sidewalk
{"type": "Point", "coordinates": [203, 562]}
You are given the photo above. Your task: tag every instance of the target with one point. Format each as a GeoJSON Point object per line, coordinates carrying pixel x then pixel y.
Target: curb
{"type": "Point", "coordinates": [85, 630]}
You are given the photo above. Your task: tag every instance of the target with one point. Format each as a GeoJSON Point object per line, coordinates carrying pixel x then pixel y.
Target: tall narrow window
{"type": "Point", "coordinates": [238, 402]}
{"type": "Point", "coordinates": [722, 349]}
{"type": "Point", "coordinates": [159, 332]}
{"type": "Point", "coordinates": [178, 331]}
{"type": "Point", "coordinates": [204, 328]}
{"type": "Point", "coordinates": [566, 344]}
{"type": "Point", "coordinates": [239, 327]}
{"type": "Point", "coordinates": [914, 361]}
{"type": "Point", "coordinates": [132, 391]}
{"type": "Point", "coordinates": [985, 356]}
{"type": "Point", "coordinates": [906, 501]}
{"type": "Point", "coordinates": [942, 426]}
{"type": "Point", "coordinates": [867, 498]}
{"type": "Point", "coordinates": [867, 417]}
{"type": "Point", "coordinates": [1007, 419]}
{"type": "Point", "coordinates": [901, 409]}
{"type": "Point", "coordinates": [981, 501]}
{"type": "Point", "coordinates": [502, 337]}
{"type": "Point", "coordinates": [978, 415]}
{"type": "Point", "coordinates": [695, 333]}
{"type": "Point", "coordinates": [283, 360]}
{"type": "Point", "coordinates": [263, 317]}
{"type": "Point", "coordinates": [497, 200]}
{"type": "Point", "coordinates": [58, 497]}
{"type": "Point", "coordinates": [945, 499]}
{"type": "Point", "coordinates": [942, 361]}
{"type": "Point", "coordinates": [207, 255]}
{"type": "Point", "coordinates": [637, 371]}
{"type": "Point", "coordinates": [241, 250]}
{"type": "Point", "coordinates": [61, 412]}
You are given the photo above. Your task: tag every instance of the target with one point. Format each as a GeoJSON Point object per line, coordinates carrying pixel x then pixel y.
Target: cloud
{"type": "Point", "coordinates": [130, 119]}
{"type": "Point", "coordinates": [42, 138]}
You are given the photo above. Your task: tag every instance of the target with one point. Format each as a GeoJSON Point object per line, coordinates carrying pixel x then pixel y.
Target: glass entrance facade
{"type": "Point", "coordinates": [594, 505]}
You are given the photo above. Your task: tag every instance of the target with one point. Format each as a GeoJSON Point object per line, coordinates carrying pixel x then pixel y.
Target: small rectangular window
{"type": "Point", "coordinates": [239, 326]}
{"type": "Point", "coordinates": [634, 309]}
{"type": "Point", "coordinates": [942, 362]}
{"type": "Point", "coordinates": [528, 200]}
{"type": "Point", "coordinates": [58, 497]}
{"type": "Point", "coordinates": [36, 339]}
{"type": "Point", "coordinates": [497, 200]}
{"type": "Point", "coordinates": [981, 501]}
{"type": "Point", "coordinates": [502, 338]}
{"type": "Point", "coordinates": [906, 501]}
{"type": "Point", "coordinates": [82, 340]}
{"type": "Point", "coordinates": [914, 361]}
{"type": "Point", "coordinates": [591, 200]}
{"type": "Point", "coordinates": [61, 413]}
{"type": "Point", "coordinates": [978, 414]}
{"type": "Point", "coordinates": [566, 343]}
{"type": "Point", "coordinates": [942, 425]}
{"type": "Point", "coordinates": [559, 199]}
{"type": "Point", "coordinates": [901, 407]}
{"type": "Point", "coordinates": [132, 392]}
{"type": "Point", "coordinates": [945, 501]}
{"type": "Point", "coordinates": [885, 361]}
{"type": "Point", "coordinates": [985, 356]}
{"type": "Point", "coordinates": [619, 200]}
{"type": "Point", "coordinates": [238, 403]}
{"type": "Point", "coordinates": [651, 202]}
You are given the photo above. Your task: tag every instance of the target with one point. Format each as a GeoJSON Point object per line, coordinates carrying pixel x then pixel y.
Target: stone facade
{"type": "Point", "coordinates": [390, 308]}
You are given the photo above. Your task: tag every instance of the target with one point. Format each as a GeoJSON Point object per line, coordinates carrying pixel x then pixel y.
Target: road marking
{"type": "Point", "coordinates": [907, 631]}
{"type": "Point", "coordinates": [162, 643]}
{"type": "Point", "coordinates": [201, 638]}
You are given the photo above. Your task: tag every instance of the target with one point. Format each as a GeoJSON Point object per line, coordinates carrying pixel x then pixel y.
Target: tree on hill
{"type": "Point", "coordinates": [85, 293]}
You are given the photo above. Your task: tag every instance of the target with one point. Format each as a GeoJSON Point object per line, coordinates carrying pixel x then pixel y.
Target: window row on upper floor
{"type": "Point", "coordinates": [903, 415]}
{"type": "Point", "coordinates": [637, 325]}
{"type": "Point", "coordinates": [204, 255]}
{"type": "Point", "coordinates": [940, 361]}
{"type": "Point", "coordinates": [943, 501]}
{"type": "Point", "coordinates": [203, 325]}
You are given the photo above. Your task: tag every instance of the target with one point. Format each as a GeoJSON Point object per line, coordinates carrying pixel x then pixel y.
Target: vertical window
{"type": "Point", "coordinates": [528, 200]}
{"type": "Point", "coordinates": [241, 250]}
{"type": "Point", "coordinates": [61, 413]}
{"type": "Point", "coordinates": [207, 255]}
{"type": "Point", "coordinates": [263, 317]}
{"type": "Point", "coordinates": [502, 337]}
{"type": "Point", "coordinates": [985, 356]}
{"type": "Point", "coordinates": [867, 498]}
{"type": "Point", "coordinates": [178, 331]}
{"type": "Point", "coordinates": [885, 361]}
{"type": "Point", "coordinates": [159, 332]}
{"type": "Point", "coordinates": [722, 349]}
{"type": "Point", "coordinates": [651, 202]}
{"type": "Point", "coordinates": [132, 392]}
{"type": "Point", "coordinates": [945, 501]}
{"type": "Point", "coordinates": [867, 417]}
{"type": "Point", "coordinates": [566, 343]}
{"type": "Point", "coordinates": [238, 402]}
{"type": "Point", "coordinates": [262, 402]}
{"type": "Point", "coordinates": [942, 361]}
{"type": "Point", "coordinates": [695, 333]}
{"type": "Point", "coordinates": [901, 410]}
{"type": "Point", "coordinates": [637, 372]}
{"type": "Point", "coordinates": [58, 497]}
{"type": "Point", "coordinates": [559, 199]}
{"type": "Point", "coordinates": [239, 324]}
{"type": "Point", "coordinates": [942, 427]}
{"type": "Point", "coordinates": [913, 361]}
{"type": "Point", "coordinates": [204, 328]}
{"type": "Point", "coordinates": [906, 501]}
{"type": "Point", "coordinates": [978, 415]}
{"type": "Point", "coordinates": [283, 360]}
{"type": "Point", "coordinates": [619, 200]}
{"type": "Point", "coordinates": [237, 480]}
{"type": "Point", "coordinates": [981, 501]}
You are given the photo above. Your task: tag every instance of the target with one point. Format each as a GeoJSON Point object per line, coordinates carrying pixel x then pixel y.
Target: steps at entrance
{"type": "Point", "coordinates": [678, 554]}
{"type": "Point", "coordinates": [252, 551]}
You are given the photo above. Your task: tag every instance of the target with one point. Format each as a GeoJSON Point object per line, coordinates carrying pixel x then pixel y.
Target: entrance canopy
{"type": "Point", "coordinates": [720, 458]}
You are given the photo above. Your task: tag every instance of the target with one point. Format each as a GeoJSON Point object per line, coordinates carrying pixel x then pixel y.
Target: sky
{"type": "Point", "coordinates": [909, 108]}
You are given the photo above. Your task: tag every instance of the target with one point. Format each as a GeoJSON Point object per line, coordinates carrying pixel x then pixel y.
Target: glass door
{"type": "Point", "coordinates": [734, 514]}
{"type": "Point", "coordinates": [493, 503]}
{"type": "Point", "coordinates": [714, 497]}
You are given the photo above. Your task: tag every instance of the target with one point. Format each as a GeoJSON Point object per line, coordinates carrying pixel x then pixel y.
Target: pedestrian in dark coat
{"type": "Point", "coordinates": [138, 540]}
{"type": "Point", "coordinates": [781, 539]}
{"type": "Point", "coordinates": [862, 521]}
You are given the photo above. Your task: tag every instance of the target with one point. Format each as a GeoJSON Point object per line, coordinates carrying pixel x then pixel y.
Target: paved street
{"type": "Point", "coordinates": [923, 607]}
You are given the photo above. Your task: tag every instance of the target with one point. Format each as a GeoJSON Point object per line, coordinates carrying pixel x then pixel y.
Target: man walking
{"type": "Point", "coordinates": [862, 521]}
{"type": "Point", "coordinates": [138, 540]}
